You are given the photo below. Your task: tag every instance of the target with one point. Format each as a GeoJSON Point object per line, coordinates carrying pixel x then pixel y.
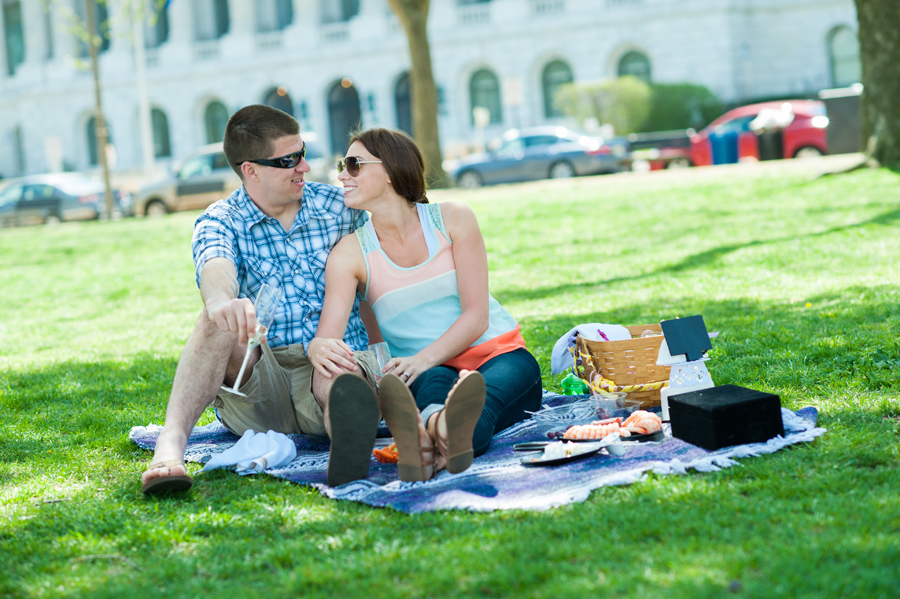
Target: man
{"type": "Point", "coordinates": [278, 229]}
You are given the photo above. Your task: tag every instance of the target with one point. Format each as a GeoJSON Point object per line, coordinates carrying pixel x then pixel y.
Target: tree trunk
{"type": "Point", "coordinates": [413, 14]}
{"type": "Point", "coordinates": [879, 38]}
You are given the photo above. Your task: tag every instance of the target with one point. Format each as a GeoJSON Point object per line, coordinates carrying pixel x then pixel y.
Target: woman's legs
{"type": "Point", "coordinates": [513, 384]}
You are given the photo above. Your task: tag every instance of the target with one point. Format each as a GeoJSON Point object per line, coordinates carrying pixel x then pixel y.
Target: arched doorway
{"type": "Point", "coordinates": [215, 117]}
{"type": "Point", "coordinates": [635, 63]}
{"type": "Point", "coordinates": [343, 114]}
{"type": "Point", "coordinates": [555, 75]}
{"type": "Point", "coordinates": [280, 99]}
{"type": "Point", "coordinates": [403, 104]}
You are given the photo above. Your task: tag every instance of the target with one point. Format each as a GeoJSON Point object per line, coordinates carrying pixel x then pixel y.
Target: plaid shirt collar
{"type": "Point", "coordinates": [329, 206]}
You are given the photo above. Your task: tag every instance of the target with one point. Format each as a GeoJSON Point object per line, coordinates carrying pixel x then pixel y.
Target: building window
{"type": "Point", "coordinates": [344, 114]}
{"type": "Point", "coordinates": [555, 75]}
{"type": "Point", "coordinates": [843, 51]}
{"type": "Point", "coordinates": [335, 11]}
{"type": "Point", "coordinates": [13, 34]}
{"type": "Point", "coordinates": [211, 19]}
{"type": "Point", "coordinates": [403, 104]}
{"type": "Point", "coordinates": [156, 29]}
{"type": "Point", "coordinates": [101, 27]}
{"type": "Point", "coordinates": [274, 15]}
{"type": "Point", "coordinates": [279, 98]}
{"type": "Point", "coordinates": [635, 64]}
{"type": "Point", "coordinates": [92, 140]}
{"type": "Point", "coordinates": [484, 91]}
{"type": "Point", "coordinates": [215, 118]}
{"type": "Point", "coordinates": [161, 146]}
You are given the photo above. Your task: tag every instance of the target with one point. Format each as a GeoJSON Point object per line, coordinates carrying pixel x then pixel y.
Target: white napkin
{"type": "Point", "coordinates": [255, 452]}
{"type": "Point", "coordinates": [561, 359]}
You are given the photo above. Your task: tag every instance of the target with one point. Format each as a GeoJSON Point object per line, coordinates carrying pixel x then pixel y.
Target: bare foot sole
{"type": "Point", "coordinates": [452, 428]}
{"type": "Point", "coordinates": [415, 453]}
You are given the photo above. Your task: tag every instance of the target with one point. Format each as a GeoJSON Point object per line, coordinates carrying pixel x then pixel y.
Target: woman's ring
{"type": "Point", "coordinates": [406, 374]}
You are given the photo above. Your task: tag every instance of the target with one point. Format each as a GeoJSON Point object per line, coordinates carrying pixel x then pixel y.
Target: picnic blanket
{"type": "Point", "coordinates": [498, 480]}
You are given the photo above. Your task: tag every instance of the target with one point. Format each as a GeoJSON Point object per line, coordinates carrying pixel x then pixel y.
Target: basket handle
{"type": "Point", "coordinates": [600, 384]}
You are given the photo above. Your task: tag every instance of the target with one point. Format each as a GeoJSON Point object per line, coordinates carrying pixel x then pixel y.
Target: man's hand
{"type": "Point", "coordinates": [235, 315]}
{"type": "Point", "coordinates": [331, 356]}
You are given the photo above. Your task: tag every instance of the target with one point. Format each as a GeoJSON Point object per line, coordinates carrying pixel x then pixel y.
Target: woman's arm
{"type": "Point", "coordinates": [344, 272]}
{"type": "Point", "coordinates": [470, 257]}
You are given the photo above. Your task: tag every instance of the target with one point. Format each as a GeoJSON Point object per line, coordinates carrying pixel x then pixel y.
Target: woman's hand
{"type": "Point", "coordinates": [408, 368]}
{"type": "Point", "coordinates": [331, 356]}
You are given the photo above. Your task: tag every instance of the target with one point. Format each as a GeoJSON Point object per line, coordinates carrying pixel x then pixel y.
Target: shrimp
{"type": "Point", "coordinates": [642, 422]}
{"type": "Point", "coordinates": [595, 430]}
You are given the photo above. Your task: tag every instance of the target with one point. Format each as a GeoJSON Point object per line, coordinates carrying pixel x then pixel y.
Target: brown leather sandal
{"type": "Point", "coordinates": [461, 413]}
{"type": "Point", "coordinates": [415, 452]}
{"type": "Point", "coordinates": [170, 482]}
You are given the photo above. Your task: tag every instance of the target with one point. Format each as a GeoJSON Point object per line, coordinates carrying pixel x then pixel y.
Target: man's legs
{"type": "Point", "coordinates": [208, 355]}
{"type": "Point", "coordinates": [351, 419]}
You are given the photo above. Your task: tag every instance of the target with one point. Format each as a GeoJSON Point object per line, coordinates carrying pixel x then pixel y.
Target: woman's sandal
{"type": "Point", "coordinates": [402, 418]}
{"type": "Point", "coordinates": [169, 482]}
{"type": "Point", "coordinates": [461, 413]}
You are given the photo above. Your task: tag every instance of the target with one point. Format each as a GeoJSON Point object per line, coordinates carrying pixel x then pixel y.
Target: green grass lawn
{"type": "Point", "coordinates": [798, 274]}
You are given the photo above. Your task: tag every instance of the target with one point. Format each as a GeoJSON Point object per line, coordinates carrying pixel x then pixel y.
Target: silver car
{"type": "Point", "coordinates": [540, 153]}
{"type": "Point", "coordinates": [57, 197]}
{"type": "Point", "coordinates": [206, 177]}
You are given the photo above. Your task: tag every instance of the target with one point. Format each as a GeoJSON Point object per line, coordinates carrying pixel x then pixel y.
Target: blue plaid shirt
{"type": "Point", "coordinates": [234, 228]}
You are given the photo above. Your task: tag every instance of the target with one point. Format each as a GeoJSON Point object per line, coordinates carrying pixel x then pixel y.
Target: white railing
{"type": "Point", "coordinates": [334, 32]}
{"type": "Point", "coordinates": [271, 40]}
{"type": "Point", "coordinates": [548, 7]}
{"type": "Point", "coordinates": [206, 50]}
{"type": "Point", "coordinates": [474, 14]}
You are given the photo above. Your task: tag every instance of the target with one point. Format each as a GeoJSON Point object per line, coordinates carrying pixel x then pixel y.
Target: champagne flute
{"type": "Point", "coordinates": [266, 303]}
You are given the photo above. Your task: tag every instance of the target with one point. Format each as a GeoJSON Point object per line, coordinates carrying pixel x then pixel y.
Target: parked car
{"type": "Point", "coordinates": [661, 149]}
{"type": "Point", "coordinates": [206, 177]}
{"type": "Point", "coordinates": [540, 153]}
{"type": "Point", "coordinates": [57, 197]}
{"type": "Point", "coordinates": [768, 130]}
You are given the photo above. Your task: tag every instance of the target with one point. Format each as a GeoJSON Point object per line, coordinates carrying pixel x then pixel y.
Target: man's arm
{"type": "Point", "coordinates": [219, 289]}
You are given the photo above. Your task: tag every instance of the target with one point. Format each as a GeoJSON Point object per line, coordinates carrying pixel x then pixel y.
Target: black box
{"type": "Point", "coordinates": [725, 416]}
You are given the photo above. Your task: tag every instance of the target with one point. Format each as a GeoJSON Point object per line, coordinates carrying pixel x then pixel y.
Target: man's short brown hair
{"type": "Point", "coordinates": [251, 133]}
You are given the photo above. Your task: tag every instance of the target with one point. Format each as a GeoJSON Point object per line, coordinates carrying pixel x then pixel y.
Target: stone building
{"type": "Point", "coordinates": [334, 63]}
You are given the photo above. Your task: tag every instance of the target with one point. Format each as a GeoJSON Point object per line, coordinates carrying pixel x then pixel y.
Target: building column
{"type": "Point", "coordinates": [181, 23]}
{"type": "Point", "coordinates": [33, 16]}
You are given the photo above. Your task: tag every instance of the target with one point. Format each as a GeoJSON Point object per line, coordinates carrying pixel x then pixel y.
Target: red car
{"type": "Point", "coordinates": [765, 131]}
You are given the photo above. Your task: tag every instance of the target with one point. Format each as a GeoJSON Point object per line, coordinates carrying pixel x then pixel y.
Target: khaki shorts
{"type": "Point", "coordinates": [279, 394]}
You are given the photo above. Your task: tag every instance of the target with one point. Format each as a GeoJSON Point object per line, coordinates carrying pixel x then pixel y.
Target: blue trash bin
{"type": "Point", "coordinates": [724, 147]}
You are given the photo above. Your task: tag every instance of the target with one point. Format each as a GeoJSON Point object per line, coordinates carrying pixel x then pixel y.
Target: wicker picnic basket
{"type": "Point", "coordinates": [628, 365]}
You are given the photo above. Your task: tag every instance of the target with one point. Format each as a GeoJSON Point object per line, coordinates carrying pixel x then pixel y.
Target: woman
{"type": "Point", "coordinates": [459, 370]}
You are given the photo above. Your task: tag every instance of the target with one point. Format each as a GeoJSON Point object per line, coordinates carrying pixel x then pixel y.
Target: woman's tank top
{"type": "Point", "coordinates": [414, 306]}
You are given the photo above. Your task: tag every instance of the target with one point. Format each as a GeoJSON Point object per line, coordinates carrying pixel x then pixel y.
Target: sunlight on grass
{"type": "Point", "coordinates": [798, 275]}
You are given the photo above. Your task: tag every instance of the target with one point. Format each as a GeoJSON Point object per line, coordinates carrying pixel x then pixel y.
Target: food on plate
{"type": "Point", "coordinates": [554, 451]}
{"type": "Point", "coordinates": [595, 430]}
{"type": "Point", "coordinates": [642, 422]}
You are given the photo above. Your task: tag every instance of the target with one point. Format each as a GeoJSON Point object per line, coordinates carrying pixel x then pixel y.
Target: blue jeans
{"type": "Point", "coordinates": [513, 384]}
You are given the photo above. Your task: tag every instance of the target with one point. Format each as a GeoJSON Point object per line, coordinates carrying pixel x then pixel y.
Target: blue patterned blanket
{"type": "Point", "coordinates": [498, 480]}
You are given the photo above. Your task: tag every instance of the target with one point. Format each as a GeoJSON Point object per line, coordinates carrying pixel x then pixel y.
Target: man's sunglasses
{"type": "Point", "coordinates": [351, 163]}
{"type": "Point", "coordinates": [288, 161]}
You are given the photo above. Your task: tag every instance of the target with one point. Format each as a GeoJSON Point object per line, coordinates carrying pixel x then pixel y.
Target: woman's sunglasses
{"type": "Point", "coordinates": [351, 163]}
{"type": "Point", "coordinates": [288, 161]}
